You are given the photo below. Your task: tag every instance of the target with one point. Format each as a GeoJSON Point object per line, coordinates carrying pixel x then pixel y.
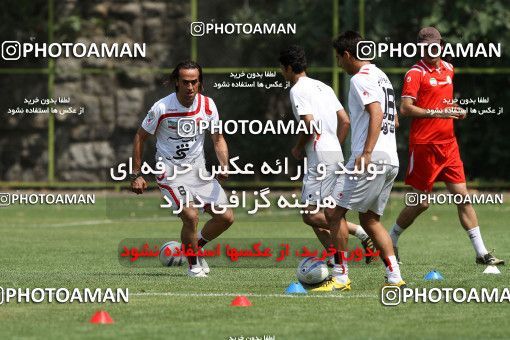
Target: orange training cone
{"type": "Point", "coordinates": [241, 301]}
{"type": "Point", "coordinates": [101, 317]}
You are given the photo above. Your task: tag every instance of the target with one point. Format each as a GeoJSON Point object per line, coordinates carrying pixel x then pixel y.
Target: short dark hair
{"type": "Point", "coordinates": [185, 65]}
{"type": "Point", "coordinates": [348, 41]}
{"type": "Point", "coordinates": [294, 56]}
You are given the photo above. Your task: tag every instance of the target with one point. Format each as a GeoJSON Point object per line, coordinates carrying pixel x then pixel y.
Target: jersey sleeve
{"type": "Point", "coordinates": [300, 104]}
{"type": "Point", "coordinates": [336, 103]}
{"type": "Point", "coordinates": [150, 123]}
{"type": "Point", "coordinates": [412, 81]}
{"type": "Point", "coordinates": [365, 90]}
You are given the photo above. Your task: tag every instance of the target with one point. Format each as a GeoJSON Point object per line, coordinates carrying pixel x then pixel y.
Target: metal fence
{"type": "Point", "coordinates": [337, 8]}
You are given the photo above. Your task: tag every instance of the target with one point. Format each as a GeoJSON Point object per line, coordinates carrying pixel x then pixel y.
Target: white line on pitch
{"type": "Point", "coordinates": [345, 295]}
{"type": "Point", "coordinates": [98, 222]}
{"type": "Point", "coordinates": [123, 220]}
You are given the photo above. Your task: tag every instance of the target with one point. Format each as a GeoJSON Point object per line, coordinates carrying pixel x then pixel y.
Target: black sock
{"type": "Point", "coordinates": [338, 258]}
{"type": "Point", "coordinates": [192, 260]}
{"type": "Point", "coordinates": [201, 242]}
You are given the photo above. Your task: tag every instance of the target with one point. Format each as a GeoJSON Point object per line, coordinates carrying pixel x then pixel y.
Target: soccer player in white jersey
{"type": "Point", "coordinates": [373, 146]}
{"type": "Point", "coordinates": [313, 100]}
{"type": "Point", "coordinates": [177, 149]}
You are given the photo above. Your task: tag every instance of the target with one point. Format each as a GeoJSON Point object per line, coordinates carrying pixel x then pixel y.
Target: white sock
{"type": "Point", "coordinates": [392, 269]}
{"type": "Point", "coordinates": [341, 270]}
{"type": "Point", "coordinates": [360, 233]}
{"type": "Point", "coordinates": [395, 233]}
{"type": "Point", "coordinates": [199, 236]}
{"type": "Point", "coordinates": [195, 267]}
{"type": "Point", "coordinates": [476, 240]}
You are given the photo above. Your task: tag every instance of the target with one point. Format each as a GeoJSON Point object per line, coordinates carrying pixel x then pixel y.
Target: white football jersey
{"type": "Point", "coordinates": [312, 97]}
{"type": "Point", "coordinates": [371, 85]}
{"type": "Point", "coordinates": [163, 119]}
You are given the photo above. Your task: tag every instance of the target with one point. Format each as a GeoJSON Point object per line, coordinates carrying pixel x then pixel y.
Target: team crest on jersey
{"type": "Point", "coordinates": [433, 81]}
{"type": "Point", "coordinates": [172, 124]}
{"type": "Point", "coordinates": [408, 79]}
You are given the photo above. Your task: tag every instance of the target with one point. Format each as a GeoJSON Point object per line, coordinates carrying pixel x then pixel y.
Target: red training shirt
{"type": "Point", "coordinates": [429, 87]}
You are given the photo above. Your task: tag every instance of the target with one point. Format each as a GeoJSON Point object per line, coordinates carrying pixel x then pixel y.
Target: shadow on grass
{"type": "Point", "coordinates": [180, 274]}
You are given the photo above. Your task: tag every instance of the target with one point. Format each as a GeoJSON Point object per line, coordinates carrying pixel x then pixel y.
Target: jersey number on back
{"type": "Point", "coordinates": [388, 124]}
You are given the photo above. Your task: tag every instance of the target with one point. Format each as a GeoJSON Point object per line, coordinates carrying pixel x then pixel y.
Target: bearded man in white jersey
{"type": "Point", "coordinates": [373, 147]}
{"type": "Point", "coordinates": [313, 100]}
{"type": "Point", "coordinates": [177, 150]}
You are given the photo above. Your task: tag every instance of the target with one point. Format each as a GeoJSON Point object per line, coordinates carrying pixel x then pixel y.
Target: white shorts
{"type": "Point", "coordinates": [188, 186]}
{"type": "Point", "coordinates": [362, 194]}
{"type": "Point", "coordinates": [317, 190]}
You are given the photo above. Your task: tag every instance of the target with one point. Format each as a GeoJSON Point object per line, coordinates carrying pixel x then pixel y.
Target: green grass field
{"type": "Point", "coordinates": [77, 247]}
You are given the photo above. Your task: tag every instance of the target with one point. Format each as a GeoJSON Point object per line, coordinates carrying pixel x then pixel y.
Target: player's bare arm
{"type": "Point", "coordinates": [408, 109]}
{"type": "Point", "coordinates": [374, 129]}
{"type": "Point", "coordinates": [461, 111]}
{"type": "Point", "coordinates": [343, 125]}
{"type": "Point", "coordinates": [221, 149]}
{"type": "Point", "coordinates": [138, 183]}
{"type": "Point", "coordinates": [297, 150]}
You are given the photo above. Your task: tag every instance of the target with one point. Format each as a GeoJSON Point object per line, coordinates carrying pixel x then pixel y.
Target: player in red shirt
{"type": "Point", "coordinates": [433, 150]}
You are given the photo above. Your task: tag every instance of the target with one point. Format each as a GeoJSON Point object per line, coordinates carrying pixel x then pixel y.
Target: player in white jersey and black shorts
{"type": "Point", "coordinates": [312, 100]}
{"type": "Point", "coordinates": [373, 148]}
{"type": "Point", "coordinates": [176, 150]}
